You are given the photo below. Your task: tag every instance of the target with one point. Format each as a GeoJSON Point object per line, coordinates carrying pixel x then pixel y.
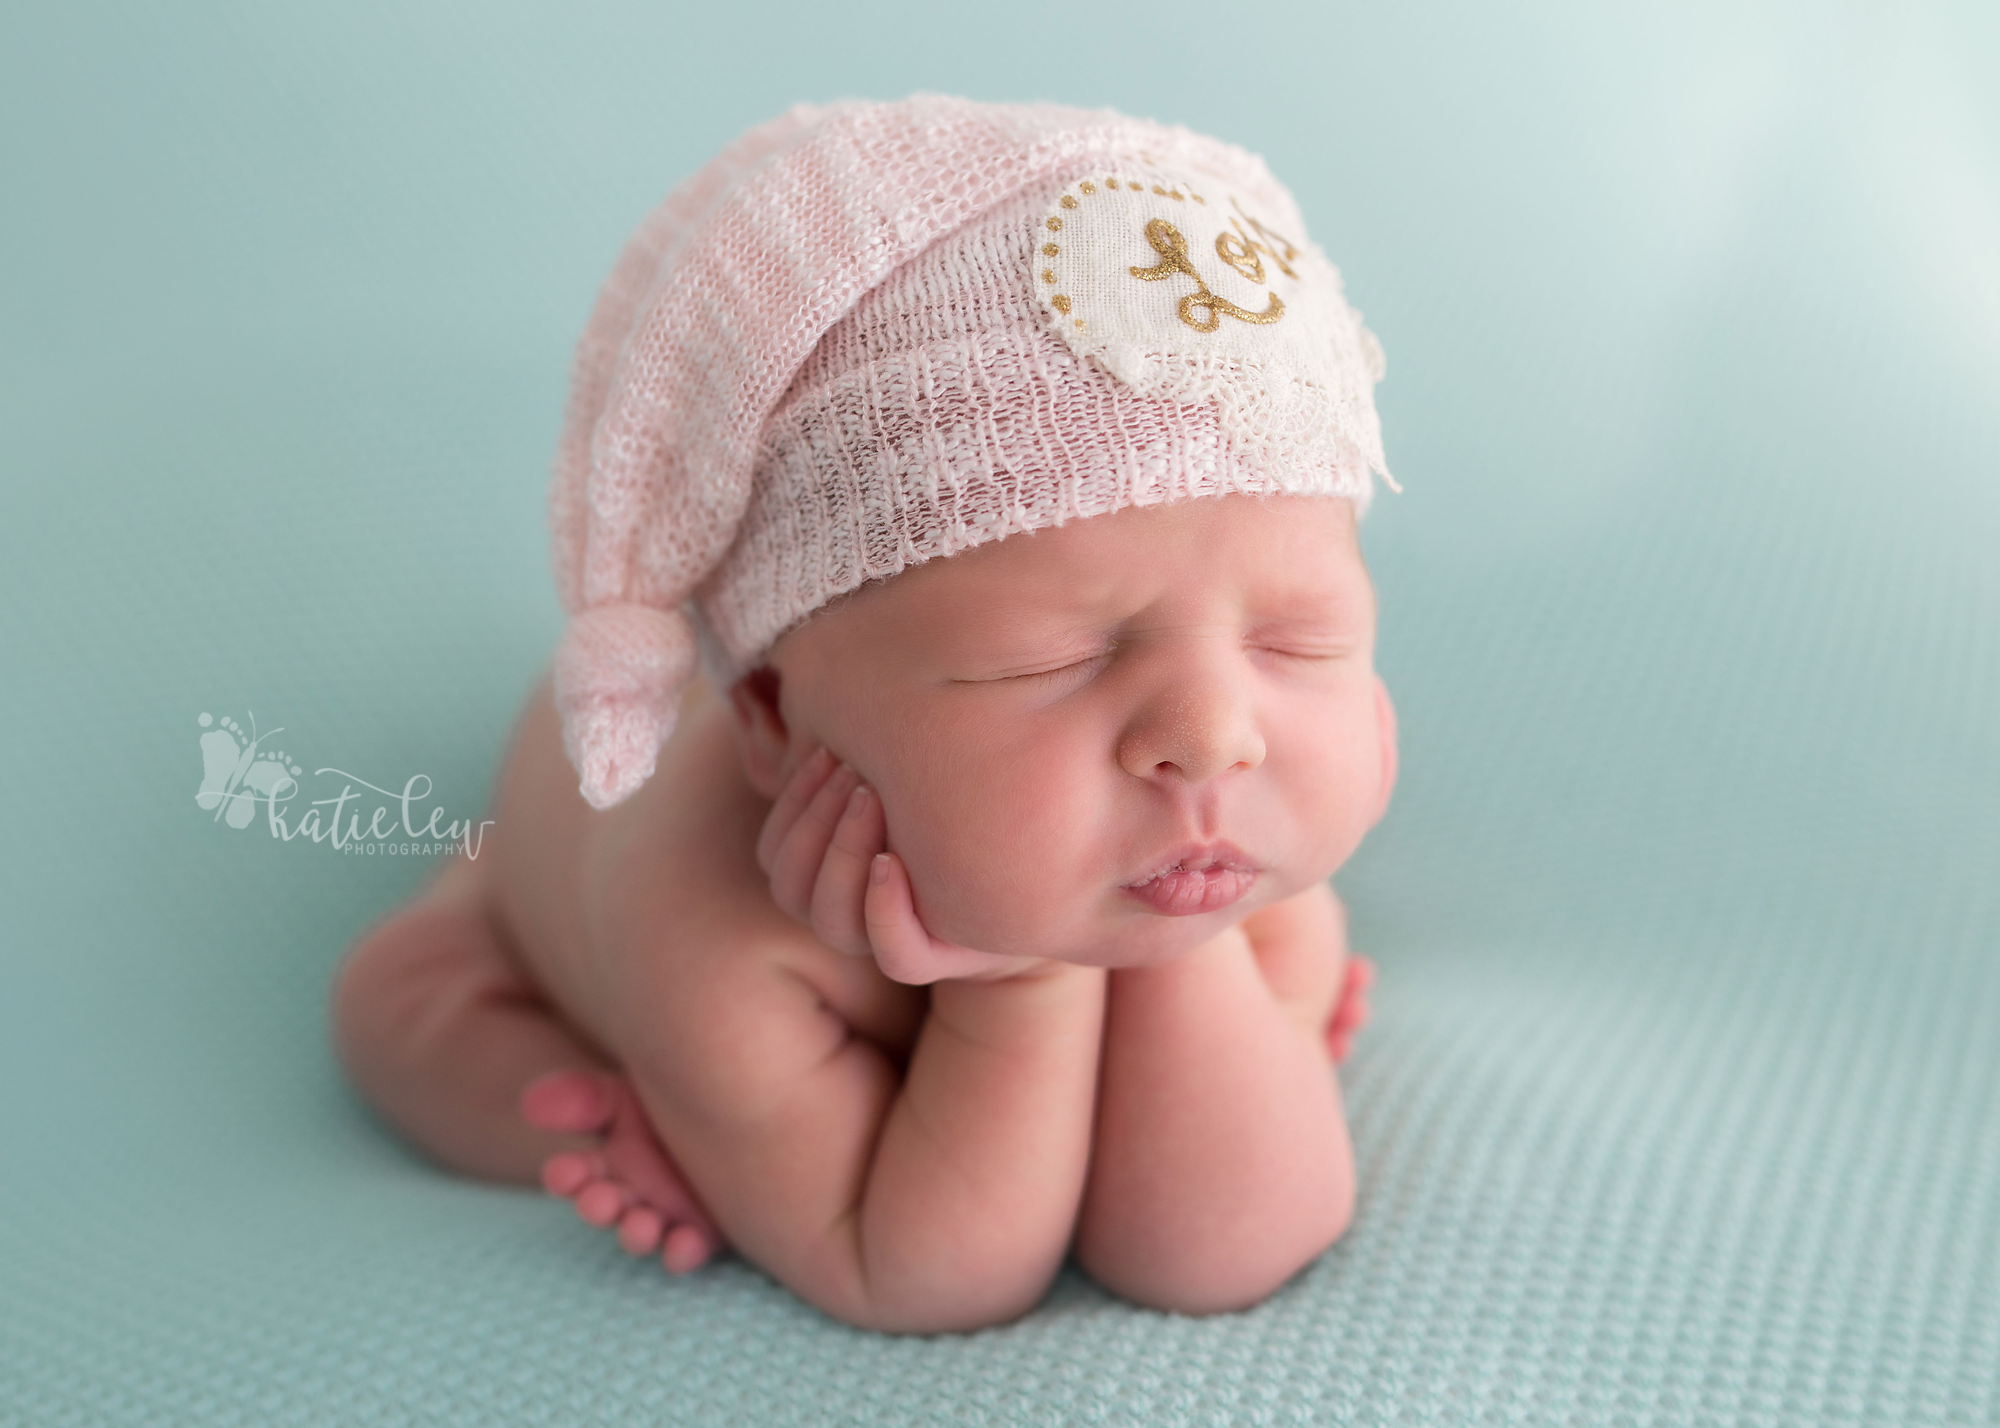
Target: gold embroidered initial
{"type": "Point", "coordinates": [1240, 250]}
{"type": "Point", "coordinates": [1172, 248]}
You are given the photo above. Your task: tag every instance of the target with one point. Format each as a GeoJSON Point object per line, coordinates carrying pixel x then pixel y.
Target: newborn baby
{"type": "Point", "coordinates": [1002, 465]}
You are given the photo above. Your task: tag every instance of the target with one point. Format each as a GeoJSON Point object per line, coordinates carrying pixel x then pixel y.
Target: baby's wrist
{"type": "Point", "coordinates": [1027, 971]}
{"type": "Point", "coordinates": [1031, 1012]}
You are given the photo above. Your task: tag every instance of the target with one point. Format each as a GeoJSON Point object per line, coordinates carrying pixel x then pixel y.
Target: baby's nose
{"type": "Point", "coordinates": [1196, 723]}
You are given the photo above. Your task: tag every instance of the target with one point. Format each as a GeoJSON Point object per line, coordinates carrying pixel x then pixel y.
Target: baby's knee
{"type": "Point", "coordinates": [369, 983]}
{"type": "Point", "coordinates": [400, 976]}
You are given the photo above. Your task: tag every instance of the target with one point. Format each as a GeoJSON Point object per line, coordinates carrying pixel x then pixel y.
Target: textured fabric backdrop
{"type": "Point", "coordinates": [1682, 1104]}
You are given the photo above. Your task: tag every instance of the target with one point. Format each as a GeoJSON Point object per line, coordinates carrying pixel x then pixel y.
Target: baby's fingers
{"type": "Point", "coordinates": [839, 899]}
{"type": "Point", "coordinates": [798, 791]}
{"type": "Point", "coordinates": [904, 948]}
{"type": "Point", "coordinates": [796, 864]}
{"type": "Point", "coordinates": [1353, 1011]}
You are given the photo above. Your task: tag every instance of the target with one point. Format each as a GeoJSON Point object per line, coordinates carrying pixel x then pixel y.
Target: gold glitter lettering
{"type": "Point", "coordinates": [1166, 240]}
{"type": "Point", "coordinates": [1060, 304]}
{"type": "Point", "coordinates": [1270, 246]}
{"type": "Point", "coordinates": [1241, 254]}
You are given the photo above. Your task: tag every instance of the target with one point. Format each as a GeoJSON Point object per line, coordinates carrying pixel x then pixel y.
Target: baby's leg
{"type": "Point", "coordinates": [455, 1048]}
{"type": "Point", "coordinates": [438, 1027]}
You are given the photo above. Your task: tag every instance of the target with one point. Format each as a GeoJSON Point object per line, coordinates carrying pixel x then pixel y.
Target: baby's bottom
{"type": "Point", "coordinates": [445, 1035]}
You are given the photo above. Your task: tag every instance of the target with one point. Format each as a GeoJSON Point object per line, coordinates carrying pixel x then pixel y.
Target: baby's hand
{"type": "Point", "coordinates": [1351, 1012]}
{"type": "Point", "coordinates": [825, 847]}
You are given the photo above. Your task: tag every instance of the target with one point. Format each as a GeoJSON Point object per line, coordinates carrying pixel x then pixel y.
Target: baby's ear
{"type": "Point", "coordinates": [761, 737]}
{"type": "Point", "coordinates": [1385, 722]}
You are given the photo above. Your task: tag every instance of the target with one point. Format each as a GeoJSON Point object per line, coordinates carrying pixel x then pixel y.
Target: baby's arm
{"type": "Point", "coordinates": [945, 1202]}
{"type": "Point", "coordinates": [1222, 1163]}
{"type": "Point", "coordinates": [1301, 945]}
{"type": "Point", "coordinates": [939, 1197]}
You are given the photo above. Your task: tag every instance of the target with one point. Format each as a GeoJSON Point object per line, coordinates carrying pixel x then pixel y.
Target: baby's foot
{"type": "Point", "coordinates": [629, 1179]}
{"type": "Point", "coordinates": [1351, 1012]}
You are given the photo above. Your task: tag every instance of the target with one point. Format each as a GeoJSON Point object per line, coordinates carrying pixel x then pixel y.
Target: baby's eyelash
{"type": "Point", "coordinates": [1074, 667]}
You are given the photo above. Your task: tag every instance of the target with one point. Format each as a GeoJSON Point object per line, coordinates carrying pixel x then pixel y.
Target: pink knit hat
{"type": "Point", "coordinates": [870, 335]}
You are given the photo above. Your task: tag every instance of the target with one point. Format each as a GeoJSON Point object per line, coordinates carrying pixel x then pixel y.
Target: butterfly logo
{"type": "Point", "coordinates": [234, 775]}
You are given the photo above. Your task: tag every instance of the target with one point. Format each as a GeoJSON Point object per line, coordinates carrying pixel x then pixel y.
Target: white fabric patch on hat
{"type": "Point", "coordinates": [1180, 287]}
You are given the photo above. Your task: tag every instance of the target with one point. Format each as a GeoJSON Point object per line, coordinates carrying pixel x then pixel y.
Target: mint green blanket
{"type": "Point", "coordinates": [1682, 1103]}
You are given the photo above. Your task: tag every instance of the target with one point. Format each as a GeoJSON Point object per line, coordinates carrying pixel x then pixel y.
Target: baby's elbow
{"type": "Point", "coordinates": [964, 1316]}
{"type": "Point", "coordinates": [906, 1298]}
{"type": "Point", "coordinates": [1244, 1275]}
{"type": "Point", "coordinates": [930, 1314]}
{"type": "Point", "coordinates": [1232, 1289]}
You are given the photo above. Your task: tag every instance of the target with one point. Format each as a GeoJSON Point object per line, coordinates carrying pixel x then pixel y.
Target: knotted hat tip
{"type": "Point", "coordinates": [619, 675]}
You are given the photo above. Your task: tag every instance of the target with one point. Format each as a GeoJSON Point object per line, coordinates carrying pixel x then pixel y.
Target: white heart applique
{"type": "Point", "coordinates": [1182, 289]}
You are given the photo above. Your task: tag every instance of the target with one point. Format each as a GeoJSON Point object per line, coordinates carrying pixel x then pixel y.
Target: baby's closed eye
{"type": "Point", "coordinates": [1075, 671]}
{"type": "Point", "coordinates": [1071, 668]}
{"type": "Point", "coordinates": [1063, 665]}
{"type": "Point", "coordinates": [1305, 653]}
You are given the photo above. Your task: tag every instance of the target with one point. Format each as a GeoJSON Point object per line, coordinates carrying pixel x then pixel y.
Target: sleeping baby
{"type": "Point", "coordinates": [913, 870]}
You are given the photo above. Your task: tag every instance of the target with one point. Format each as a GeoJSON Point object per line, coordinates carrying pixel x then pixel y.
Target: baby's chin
{"type": "Point", "coordinates": [1121, 932]}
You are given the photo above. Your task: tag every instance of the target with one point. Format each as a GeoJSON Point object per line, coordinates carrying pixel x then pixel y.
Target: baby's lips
{"type": "Point", "coordinates": [1183, 892]}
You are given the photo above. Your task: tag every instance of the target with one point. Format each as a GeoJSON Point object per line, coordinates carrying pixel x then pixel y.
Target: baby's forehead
{"type": "Point", "coordinates": [1288, 556]}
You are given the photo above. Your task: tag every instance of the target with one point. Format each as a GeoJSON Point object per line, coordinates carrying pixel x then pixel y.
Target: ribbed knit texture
{"type": "Point", "coordinates": [941, 414]}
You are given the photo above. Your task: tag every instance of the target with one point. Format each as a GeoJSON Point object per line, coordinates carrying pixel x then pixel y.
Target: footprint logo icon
{"type": "Point", "coordinates": [234, 776]}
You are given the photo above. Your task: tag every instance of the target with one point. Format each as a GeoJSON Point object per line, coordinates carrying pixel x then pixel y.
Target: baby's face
{"type": "Point", "coordinates": [1107, 742]}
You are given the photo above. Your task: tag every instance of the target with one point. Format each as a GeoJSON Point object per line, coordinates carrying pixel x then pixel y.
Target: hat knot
{"type": "Point", "coordinates": [619, 674]}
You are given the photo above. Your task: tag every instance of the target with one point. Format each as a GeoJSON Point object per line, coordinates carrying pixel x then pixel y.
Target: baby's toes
{"type": "Point", "coordinates": [639, 1161]}
{"type": "Point", "coordinates": [641, 1230]}
{"type": "Point", "coordinates": [687, 1248]}
{"type": "Point", "coordinates": [569, 1172]}
{"type": "Point", "coordinates": [601, 1203]}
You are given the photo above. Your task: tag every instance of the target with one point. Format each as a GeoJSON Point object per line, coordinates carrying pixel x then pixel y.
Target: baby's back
{"type": "Point", "coordinates": [632, 919]}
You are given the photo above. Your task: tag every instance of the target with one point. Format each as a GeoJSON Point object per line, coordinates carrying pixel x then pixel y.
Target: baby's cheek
{"type": "Point", "coordinates": [1329, 775]}
{"type": "Point", "coordinates": [996, 853]}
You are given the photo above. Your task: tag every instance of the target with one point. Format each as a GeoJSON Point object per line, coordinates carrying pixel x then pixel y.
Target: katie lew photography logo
{"type": "Point", "coordinates": [241, 773]}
